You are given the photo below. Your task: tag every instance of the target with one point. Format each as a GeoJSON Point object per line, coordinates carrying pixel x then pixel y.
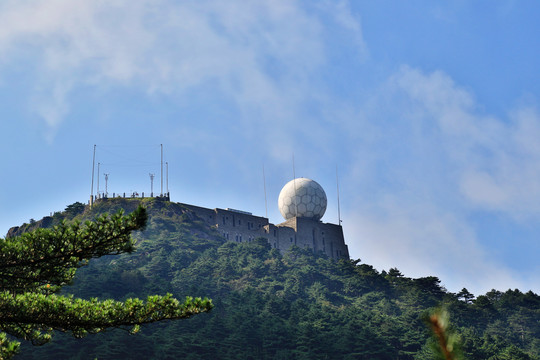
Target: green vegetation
{"type": "Point", "coordinates": [37, 264]}
{"type": "Point", "coordinates": [299, 305]}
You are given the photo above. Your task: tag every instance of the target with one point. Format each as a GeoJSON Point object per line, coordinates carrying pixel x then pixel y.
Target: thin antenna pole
{"type": "Point", "coordinates": [161, 169]}
{"type": "Point", "coordinates": [167, 175]}
{"type": "Point", "coordinates": [93, 164]}
{"type": "Point", "coordinates": [152, 184]}
{"type": "Point", "coordinates": [98, 164]}
{"type": "Point", "coordinates": [265, 201]}
{"type": "Point", "coordinates": [106, 185]}
{"type": "Point", "coordinates": [294, 182]}
{"type": "Point", "coordinates": [338, 207]}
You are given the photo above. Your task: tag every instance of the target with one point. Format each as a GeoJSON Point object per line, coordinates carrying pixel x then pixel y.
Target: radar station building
{"type": "Point", "coordinates": [302, 202]}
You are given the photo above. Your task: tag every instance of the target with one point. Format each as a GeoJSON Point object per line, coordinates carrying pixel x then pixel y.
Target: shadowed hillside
{"type": "Point", "coordinates": [299, 305]}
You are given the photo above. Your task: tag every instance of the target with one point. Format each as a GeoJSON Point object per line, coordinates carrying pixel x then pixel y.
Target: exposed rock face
{"type": "Point", "coordinates": [14, 231]}
{"type": "Point", "coordinates": [19, 230]}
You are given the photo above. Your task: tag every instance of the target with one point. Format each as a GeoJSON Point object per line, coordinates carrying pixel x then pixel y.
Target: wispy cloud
{"type": "Point", "coordinates": [496, 161]}
{"type": "Point", "coordinates": [423, 240]}
{"type": "Point", "coordinates": [420, 152]}
{"type": "Point", "coordinates": [259, 55]}
{"type": "Point", "coordinates": [435, 157]}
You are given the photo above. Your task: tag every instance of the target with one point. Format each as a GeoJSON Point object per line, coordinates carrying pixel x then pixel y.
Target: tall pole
{"type": "Point", "coordinates": [106, 185]}
{"type": "Point", "coordinates": [294, 182]}
{"type": "Point", "coordinates": [338, 208]}
{"type": "Point", "coordinates": [98, 164]}
{"type": "Point", "coordinates": [161, 169]}
{"type": "Point", "coordinates": [265, 201]}
{"type": "Point", "coordinates": [93, 165]}
{"type": "Point", "coordinates": [152, 184]}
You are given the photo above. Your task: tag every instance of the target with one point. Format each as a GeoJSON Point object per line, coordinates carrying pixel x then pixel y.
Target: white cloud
{"type": "Point", "coordinates": [423, 240]}
{"type": "Point", "coordinates": [431, 159]}
{"type": "Point", "coordinates": [496, 161]}
{"type": "Point", "coordinates": [480, 188]}
{"type": "Point", "coordinates": [344, 17]}
{"type": "Point", "coordinates": [423, 153]}
{"type": "Point", "coordinates": [260, 54]}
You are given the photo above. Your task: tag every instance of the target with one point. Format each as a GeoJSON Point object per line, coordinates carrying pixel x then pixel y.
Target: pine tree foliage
{"type": "Point", "coordinates": [297, 305]}
{"type": "Point", "coordinates": [36, 265]}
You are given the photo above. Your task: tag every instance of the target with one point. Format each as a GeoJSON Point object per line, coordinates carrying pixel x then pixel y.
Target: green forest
{"type": "Point", "coordinates": [268, 305]}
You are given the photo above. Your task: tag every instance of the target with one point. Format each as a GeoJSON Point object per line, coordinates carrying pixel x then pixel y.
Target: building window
{"type": "Point", "coordinates": [291, 240]}
{"type": "Point", "coordinates": [223, 220]}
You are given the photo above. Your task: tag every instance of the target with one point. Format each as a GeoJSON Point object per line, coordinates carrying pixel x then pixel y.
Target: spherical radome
{"type": "Point", "coordinates": [304, 197]}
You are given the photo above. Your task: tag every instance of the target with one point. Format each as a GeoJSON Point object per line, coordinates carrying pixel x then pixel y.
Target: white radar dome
{"type": "Point", "coordinates": [302, 197]}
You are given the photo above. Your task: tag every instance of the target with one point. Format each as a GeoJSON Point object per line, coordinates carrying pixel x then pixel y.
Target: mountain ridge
{"type": "Point", "coordinates": [269, 305]}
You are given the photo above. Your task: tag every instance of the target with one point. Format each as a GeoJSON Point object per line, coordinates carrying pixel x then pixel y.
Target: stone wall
{"type": "Point", "coordinates": [303, 232]}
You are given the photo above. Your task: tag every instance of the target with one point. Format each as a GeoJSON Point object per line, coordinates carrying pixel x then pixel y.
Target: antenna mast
{"type": "Point", "coordinates": [93, 164]}
{"type": "Point", "coordinates": [106, 185]}
{"type": "Point", "coordinates": [338, 207]}
{"type": "Point", "coordinates": [161, 170]}
{"type": "Point", "coordinates": [152, 184]}
{"type": "Point", "coordinates": [98, 178]}
{"type": "Point", "coordinates": [294, 182]}
{"type": "Point", "coordinates": [265, 201]}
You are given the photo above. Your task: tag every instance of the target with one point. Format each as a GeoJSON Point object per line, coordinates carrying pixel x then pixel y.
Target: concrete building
{"type": "Point", "coordinates": [302, 203]}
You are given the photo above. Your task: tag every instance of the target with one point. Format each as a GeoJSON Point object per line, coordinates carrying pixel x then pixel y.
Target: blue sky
{"type": "Point", "coordinates": [429, 111]}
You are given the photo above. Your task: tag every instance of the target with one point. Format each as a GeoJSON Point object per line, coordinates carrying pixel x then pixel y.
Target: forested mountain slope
{"type": "Point", "coordinates": [271, 306]}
